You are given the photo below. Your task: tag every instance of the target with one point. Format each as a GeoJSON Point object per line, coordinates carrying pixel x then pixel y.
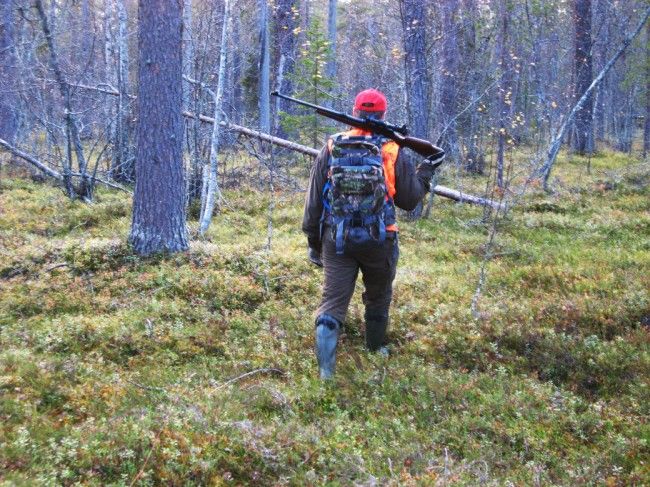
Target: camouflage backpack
{"type": "Point", "coordinates": [356, 203]}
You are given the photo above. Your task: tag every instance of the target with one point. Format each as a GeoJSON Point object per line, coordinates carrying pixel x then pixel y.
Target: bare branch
{"type": "Point", "coordinates": [266, 370]}
{"type": "Point", "coordinates": [32, 160]}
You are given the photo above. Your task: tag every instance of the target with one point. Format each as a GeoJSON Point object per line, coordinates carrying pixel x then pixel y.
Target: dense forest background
{"type": "Point", "coordinates": [482, 78]}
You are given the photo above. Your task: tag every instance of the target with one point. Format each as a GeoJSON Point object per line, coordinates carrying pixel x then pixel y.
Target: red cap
{"type": "Point", "coordinates": [370, 101]}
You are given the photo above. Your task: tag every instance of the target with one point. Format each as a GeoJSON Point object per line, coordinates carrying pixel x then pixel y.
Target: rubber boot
{"type": "Point", "coordinates": [376, 332]}
{"type": "Point", "coordinates": [327, 336]}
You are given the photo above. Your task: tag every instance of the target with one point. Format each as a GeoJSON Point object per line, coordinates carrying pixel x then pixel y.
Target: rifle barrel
{"type": "Point", "coordinates": [295, 100]}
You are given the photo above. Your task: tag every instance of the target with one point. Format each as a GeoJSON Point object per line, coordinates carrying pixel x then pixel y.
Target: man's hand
{"type": "Point", "coordinates": [314, 257]}
{"type": "Point", "coordinates": [427, 167]}
{"type": "Point", "coordinates": [434, 161]}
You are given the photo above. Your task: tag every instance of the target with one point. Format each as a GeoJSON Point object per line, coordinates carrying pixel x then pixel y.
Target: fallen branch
{"type": "Point", "coordinates": [109, 90]}
{"type": "Point", "coordinates": [258, 135]}
{"type": "Point", "coordinates": [154, 445]}
{"type": "Point", "coordinates": [57, 266]}
{"type": "Point", "coordinates": [466, 198]}
{"type": "Point", "coordinates": [51, 172]}
{"type": "Point", "coordinates": [32, 160]}
{"type": "Point", "coordinates": [266, 370]}
{"type": "Point", "coordinates": [104, 182]}
{"type": "Point", "coordinates": [147, 388]}
{"type": "Point", "coordinates": [438, 189]}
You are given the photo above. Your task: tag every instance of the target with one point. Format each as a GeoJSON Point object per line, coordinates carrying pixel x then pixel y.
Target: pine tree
{"type": "Point", "coordinates": [159, 199]}
{"type": "Point", "coordinates": [312, 85]}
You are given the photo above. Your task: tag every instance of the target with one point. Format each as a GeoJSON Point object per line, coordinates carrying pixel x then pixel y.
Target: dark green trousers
{"type": "Point", "coordinates": [377, 266]}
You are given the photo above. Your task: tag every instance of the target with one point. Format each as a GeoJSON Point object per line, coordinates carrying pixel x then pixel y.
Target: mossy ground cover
{"type": "Point", "coordinates": [115, 370]}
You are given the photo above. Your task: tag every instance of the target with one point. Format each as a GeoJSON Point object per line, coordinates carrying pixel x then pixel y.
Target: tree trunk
{"type": "Point", "coordinates": [87, 32]}
{"type": "Point", "coordinates": [474, 157]}
{"type": "Point", "coordinates": [625, 119]}
{"type": "Point", "coordinates": [158, 223]}
{"type": "Point", "coordinates": [85, 190]}
{"type": "Point", "coordinates": [265, 69]}
{"type": "Point", "coordinates": [235, 92]}
{"type": "Point", "coordinates": [188, 52]}
{"type": "Point", "coordinates": [86, 55]}
{"type": "Point", "coordinates": [8, 73]}
{"type": "Point", "coordinates": [124, 161]}
{"type": "Point", "coordinates": [601, 43]}
{"type": "Point", "coordinates": [212, 193]}
{"type": "Point", "coordinates": [110, 74]}
{"type": "Point", "coordinates": [285, 24]}
{"type": "Point", "coordinates": [505, 88]}
{"type": "Point", "coordinates": [415, 63]}
{"type": "Point", "coordinates": [449, 76]}
{"type": "Point", "coordinates": [583, 136]}
{"type": "Point", "coordinates": [646, 130]}
{"type": "Point", "coordinates": [330, 70]}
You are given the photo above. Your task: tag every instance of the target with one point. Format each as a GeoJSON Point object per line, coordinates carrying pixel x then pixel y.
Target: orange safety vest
{"type": "Point", "coordinates": [389, 153]}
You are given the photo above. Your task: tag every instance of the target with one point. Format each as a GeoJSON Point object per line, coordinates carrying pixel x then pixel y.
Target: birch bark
{"type": "Point", "coordinates": [212, 193]}
{"type": "Point", "coordinates": [265, 69]}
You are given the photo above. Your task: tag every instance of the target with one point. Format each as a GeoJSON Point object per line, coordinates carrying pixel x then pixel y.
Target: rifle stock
{"type": "Point", "coordinates": [426, 149]}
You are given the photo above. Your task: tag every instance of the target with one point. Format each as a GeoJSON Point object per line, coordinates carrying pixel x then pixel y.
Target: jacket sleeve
{"type": "Point", "coordinates": [313, 199]}
{"type": "Point", "coordinates": [411, 184]}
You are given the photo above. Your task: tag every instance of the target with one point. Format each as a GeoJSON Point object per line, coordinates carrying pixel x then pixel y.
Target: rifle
{"type": "Point", "coordinates": [426, 149]}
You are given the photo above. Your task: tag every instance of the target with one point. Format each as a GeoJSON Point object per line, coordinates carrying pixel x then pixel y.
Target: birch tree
{"type": "Point", "coordinates": [212, 193]}
{"type": "Point", "coordinates": [505, 86]}
{"type": "Point", "coordinates": [85, 190]}
{"type": "Point", "coordinates": [264, 89]}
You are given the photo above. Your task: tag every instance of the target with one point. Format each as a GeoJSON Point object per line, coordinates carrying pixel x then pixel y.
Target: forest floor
{"type": "Point", "coordinates": [119, 370]}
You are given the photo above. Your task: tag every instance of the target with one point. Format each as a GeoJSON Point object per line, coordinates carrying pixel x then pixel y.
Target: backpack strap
{"type": "Point", "coordinates": [340, 226]}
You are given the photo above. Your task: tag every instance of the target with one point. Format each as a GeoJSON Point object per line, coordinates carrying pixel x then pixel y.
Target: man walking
{"type": "Point", "coordinates": [349, 219]}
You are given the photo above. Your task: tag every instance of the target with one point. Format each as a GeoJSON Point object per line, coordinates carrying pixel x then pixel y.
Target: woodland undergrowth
{"type": "Point", "coordinates": [119, 370]}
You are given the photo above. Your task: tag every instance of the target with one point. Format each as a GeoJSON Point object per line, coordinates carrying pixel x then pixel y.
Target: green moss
{"type": "Point", "coordinates": [112, 365]}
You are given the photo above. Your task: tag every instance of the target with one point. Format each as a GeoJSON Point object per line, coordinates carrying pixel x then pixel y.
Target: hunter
{"type": "Point", "coordinates": [355, 184]}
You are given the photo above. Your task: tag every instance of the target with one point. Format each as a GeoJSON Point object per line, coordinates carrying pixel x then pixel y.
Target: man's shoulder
{"type": "Point", "coordinates": [391, 147]}
{"type": "Point", "coordinates": [391, 144]}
